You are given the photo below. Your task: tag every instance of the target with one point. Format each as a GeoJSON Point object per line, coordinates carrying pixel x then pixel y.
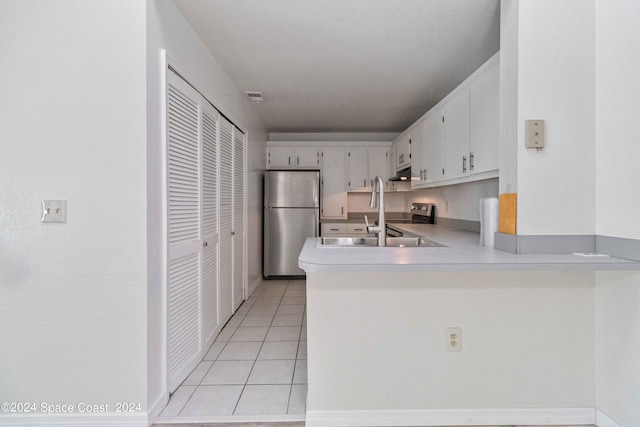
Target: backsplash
{"type": "Point", "coordinates": [359, 202]}
{"type": "Point", "coordinates": [456, 201]}
{"type": "Point", "coordinates": [459, 201]}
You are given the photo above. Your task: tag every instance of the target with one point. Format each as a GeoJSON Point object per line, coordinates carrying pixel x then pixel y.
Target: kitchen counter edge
{"type": "Point", "coordinates": [461, 254]}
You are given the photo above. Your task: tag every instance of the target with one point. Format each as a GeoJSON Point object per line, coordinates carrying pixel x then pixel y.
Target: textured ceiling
{"type": "Point", "coordinates": [346, 65]}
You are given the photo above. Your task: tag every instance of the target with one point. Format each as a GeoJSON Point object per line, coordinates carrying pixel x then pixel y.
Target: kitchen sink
{"type": "Point", "coordinates": [395, 242]}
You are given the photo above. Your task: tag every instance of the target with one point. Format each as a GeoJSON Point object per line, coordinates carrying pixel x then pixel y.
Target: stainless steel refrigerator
{"type": "Point", "coordinates": [291, 215]}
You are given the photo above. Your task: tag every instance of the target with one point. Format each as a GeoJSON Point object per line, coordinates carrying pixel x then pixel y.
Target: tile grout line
{"type": "Point", "coordinates": [235, 408]}
{"type": "Point", "coordinates": [242, 317]}
{"type": "Point", "coordinates": [185, 402]}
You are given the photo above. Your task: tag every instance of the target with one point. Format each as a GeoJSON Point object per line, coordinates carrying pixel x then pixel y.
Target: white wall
{"type": "Point", "coordinates": [167, 29]}
{"type": "Point", "coordinates": [556, 82]}
{"type": "Point", "coordinates": [618, 207]}
{"type": "Point", "coordinates": [508, 153]}
{"type": "Point", "coordinates": [618, 114]}
{"type": "Point", "coordinates": [618, 346]}
{"type": "Point", "coordinates": [359, 202]}
{"type": "Point", "coordinates": [463, 199]}
{"type": "Point", "coordinates": [72, 126]}
{"type": "Point", "coordinates": [527, 340]}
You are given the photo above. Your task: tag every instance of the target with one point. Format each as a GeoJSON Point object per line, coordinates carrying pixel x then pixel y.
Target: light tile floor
{"type": "Point", "coordinates": [257, 364]}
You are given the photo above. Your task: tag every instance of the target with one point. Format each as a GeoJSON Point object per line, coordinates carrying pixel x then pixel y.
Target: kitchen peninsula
{"type": "Point", "coordinates": [378, 333]}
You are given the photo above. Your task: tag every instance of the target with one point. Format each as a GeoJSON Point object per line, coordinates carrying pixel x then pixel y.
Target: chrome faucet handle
{"type": "Point", "coordinates": [370, 228]}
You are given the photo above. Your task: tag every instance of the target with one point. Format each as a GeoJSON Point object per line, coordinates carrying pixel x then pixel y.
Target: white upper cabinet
{"type": "Point", "coordinates": [378, 161]}
{"type": "Point", "coordinates": [456, 136]}
{"type": "Point", "coordinates": [364, 164]}
{"type": "Point", "coordinates": [391, 168]}
{"type": "Point", "coordinates": [484, 121]}
{"type": "Point", "coordinates": [416, 136]}
{"type": "Point", "coordinates": [358, 169]}
{"type": "Point", "coordinates": [403, 150]}
{"type": "Point", "coordinates": [308, 158]}
{"type": "Point", "coordinates": [293, 158]}
{"type": "Point", "coordinates": [459, 140]}
{"type": "Point", "coordinates": [432, 155]}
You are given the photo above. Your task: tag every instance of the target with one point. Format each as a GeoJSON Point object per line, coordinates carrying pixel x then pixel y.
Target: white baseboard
{"type": "Point", "coordinates": [602, 420]}
{"type": "Point", "coordinates": [156, 407]}
{"type": "Point", "coordinates": [75, 420]}
{"type": "Point", "coordinates": [254, 286]}
{"type": "Point", "coordinates": [452, 417]}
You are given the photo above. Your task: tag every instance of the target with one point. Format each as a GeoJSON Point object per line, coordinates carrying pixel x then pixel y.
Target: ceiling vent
{"type": "Point", "coordinates": [255, 96]}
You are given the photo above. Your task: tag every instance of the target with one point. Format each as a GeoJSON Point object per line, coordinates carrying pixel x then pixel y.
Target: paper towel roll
{"type": "Point", "coordinates": [489, 208]}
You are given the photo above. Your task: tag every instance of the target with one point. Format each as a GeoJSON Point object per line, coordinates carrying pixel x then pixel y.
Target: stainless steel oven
{"type": "Point", "coordinates": [421, 213]}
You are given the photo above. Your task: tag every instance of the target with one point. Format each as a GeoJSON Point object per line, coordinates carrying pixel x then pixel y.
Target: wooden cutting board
{"type": "Point", "coordinates": [507, 213]}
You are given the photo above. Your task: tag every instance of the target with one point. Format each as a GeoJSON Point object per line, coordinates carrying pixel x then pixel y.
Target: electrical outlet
{"type": "Point", "coordinates": [453, 339]}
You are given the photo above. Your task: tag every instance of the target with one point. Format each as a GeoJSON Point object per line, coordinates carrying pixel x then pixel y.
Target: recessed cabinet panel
{"type": "Point", "coordinates": [278, 157]}
{"type": "Point", "coordinates": [378, 161]}
{"type": "Point", "coordinates": [456, 136]}
{"type": "Point", "coordinates": [334, 190]}
{"type": "Point", "coordinates": [403, 151]}
{"type": "Point", "coordinates": [358, 169]}
{"type": "Point", "coordinates": [293, 158]}
{"type": "Point", "coordinates": [432, 155]}
{"type": "Point", "coordinates": [484, 121]}
{"type": "Point", "coordinates": [417, 147]}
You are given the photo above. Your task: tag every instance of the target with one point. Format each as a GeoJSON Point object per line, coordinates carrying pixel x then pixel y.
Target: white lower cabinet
{"type": "Point", "coordinates": [329, 228]}
{"type": "Point", "coordinates": [357, 228]}
{"type": "Point", "coordinates": [344, 229]}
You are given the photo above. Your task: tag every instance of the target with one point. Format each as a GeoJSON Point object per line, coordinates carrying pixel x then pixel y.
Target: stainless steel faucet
{"type": "Point", "coordinates": [381, 228]}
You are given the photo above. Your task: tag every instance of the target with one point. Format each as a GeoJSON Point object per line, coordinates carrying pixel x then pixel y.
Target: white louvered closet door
{"type": "Point", "coordinates": [225, 294]}
{"type": "Point", "coordinates": [210, 325]}
{"type": "Point", "coordinates": [184, 244]}
{"type": "Point", "coordinates": [238, 218]}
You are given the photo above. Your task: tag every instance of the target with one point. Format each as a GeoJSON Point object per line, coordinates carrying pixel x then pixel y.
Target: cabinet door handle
{"type": "Point", "coordinates": [289, 160]}
{"type": "Point", "coordinates": [464, 164]}
{"type": "Point", "coordinates": [341, 210]}
{"type": "Point", "coordinates": [334, 229]}
{"type": "Point", "coordinates": [364, 182]}
{"type": "Point", "coordinates": [471, 157]}
{"type": "Point", "coordinates": [298, 161]}
{"type": "Point", "coordinates": [425, 174]}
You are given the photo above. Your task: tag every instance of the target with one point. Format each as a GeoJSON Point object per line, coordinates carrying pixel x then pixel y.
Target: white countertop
{"type": "Point", "coordinates": [462, 253]}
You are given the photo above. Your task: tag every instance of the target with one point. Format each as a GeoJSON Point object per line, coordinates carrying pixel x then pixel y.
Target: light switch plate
{"type": "Point", "coordinates": [54, 211]}
{"type": "Point", "coordinates": [534, 133]}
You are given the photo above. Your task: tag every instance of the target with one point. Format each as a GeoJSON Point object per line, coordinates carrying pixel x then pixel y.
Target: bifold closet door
{"type": "Point", "coordinates": [225, 302]}
{"type": "Point", "coordinates": [238, 218]}
{"type": "Point", "coordinates": [210, 251]}
{"type": "Point", "coordinates": [184, 229]}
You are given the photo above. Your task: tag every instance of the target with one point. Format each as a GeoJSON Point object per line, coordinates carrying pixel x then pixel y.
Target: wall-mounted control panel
{"type": "Point", "coordinates": [534, 133]}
